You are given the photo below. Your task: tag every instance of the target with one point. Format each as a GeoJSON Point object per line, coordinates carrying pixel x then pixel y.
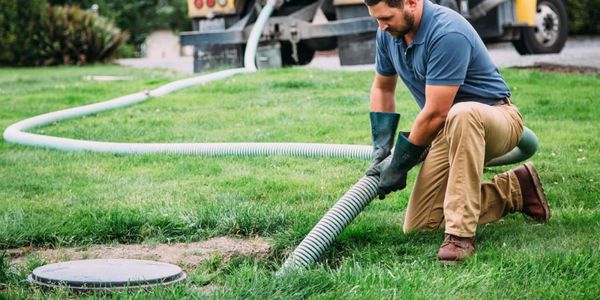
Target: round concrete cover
{"type": "Point", "coordinates": [107, 273]}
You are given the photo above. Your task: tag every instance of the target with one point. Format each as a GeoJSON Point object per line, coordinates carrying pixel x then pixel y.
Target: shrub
{"type": "Point", "coordinates": [141, 17]}
{"type": "Point", "coordinates": [32, 34]}
{"type": "Point", "coordinates": [20, 31]}
{"type": "Point", "coordinates": [76, 36]}
{"type": "Point", "coordinates": [584, 16]}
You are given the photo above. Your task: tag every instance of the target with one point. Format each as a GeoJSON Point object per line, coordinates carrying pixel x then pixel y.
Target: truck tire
{"type": "Point", "coordinates": [550, 32]}
{"type": "Point", "coordinates": [305, 54]}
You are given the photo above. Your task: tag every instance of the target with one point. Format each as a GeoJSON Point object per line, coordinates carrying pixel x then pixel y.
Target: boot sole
{"type": "Point", "coordinates": [539, 189]}
{"type": "Point", "coordinates": [451, 262]}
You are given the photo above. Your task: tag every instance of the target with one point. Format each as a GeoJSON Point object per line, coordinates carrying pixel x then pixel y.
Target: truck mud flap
{"type": "Point", "coordinates": [211, 56]}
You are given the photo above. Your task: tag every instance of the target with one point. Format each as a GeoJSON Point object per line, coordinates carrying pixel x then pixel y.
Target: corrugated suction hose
{"type": "Point", "coordinates": [332, 224]}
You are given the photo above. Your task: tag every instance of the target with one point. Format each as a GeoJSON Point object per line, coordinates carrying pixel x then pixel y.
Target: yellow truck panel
{"type": "Point", "coordinates": [526, 10]}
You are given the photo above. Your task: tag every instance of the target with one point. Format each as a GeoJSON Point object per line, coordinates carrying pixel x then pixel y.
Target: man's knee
{"type": "Point", "coordinates": [408, 228]}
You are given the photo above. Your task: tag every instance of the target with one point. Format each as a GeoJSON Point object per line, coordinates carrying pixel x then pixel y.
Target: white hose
{"type": "Point", "coordinates": [259, 25]}
{"type": "Point", "coordinates": [16, 133]}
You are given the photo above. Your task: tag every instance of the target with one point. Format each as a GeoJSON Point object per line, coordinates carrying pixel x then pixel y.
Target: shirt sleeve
{"type": "Point", "coordinates": [449, 60]}
{"type": "Point", "coordinates": [383, 63]}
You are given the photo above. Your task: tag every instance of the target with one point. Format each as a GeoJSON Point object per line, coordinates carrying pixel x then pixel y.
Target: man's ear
{"type": "Point", "coordinates": [412, 4]}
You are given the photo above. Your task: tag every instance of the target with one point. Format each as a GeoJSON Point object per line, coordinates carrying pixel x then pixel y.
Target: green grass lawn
{"type": "Point", "coordinates": [56, 199]}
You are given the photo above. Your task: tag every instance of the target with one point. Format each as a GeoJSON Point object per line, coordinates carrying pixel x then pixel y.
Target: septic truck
{"type": "Point", "coordinates": [298, 28]}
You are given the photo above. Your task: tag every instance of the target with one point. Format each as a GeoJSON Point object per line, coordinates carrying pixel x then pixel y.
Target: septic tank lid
{"type": "Point", "coordinates": [94, 274]}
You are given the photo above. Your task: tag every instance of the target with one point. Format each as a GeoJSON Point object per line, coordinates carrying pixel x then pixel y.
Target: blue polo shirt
{"type": "Point", "coordinates": [445, 51]}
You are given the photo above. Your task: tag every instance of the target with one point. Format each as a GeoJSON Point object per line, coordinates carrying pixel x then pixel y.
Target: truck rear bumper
{"type": "Point", "coordinates": [282, 28]}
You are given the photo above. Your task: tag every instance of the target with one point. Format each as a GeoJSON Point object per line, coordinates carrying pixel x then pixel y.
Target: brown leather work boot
{"type": "Point", "coordinates": [535, 204]}
{"type": "Point", "coordinates": [455, 249]}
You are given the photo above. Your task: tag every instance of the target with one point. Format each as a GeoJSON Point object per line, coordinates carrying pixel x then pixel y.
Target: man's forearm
{"type": "Point", "coordinates": [431, 119]}
{"type": "Point", "coordinates": [426, 126]}
{"type": "Point", "coordinates": [382, 100]}
{"type": "Point", "coordinates": [383, 94]}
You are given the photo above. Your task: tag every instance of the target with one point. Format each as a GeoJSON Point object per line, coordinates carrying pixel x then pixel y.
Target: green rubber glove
{"type": "Point", "coordinates": [383, 130]}
{"type": "Point", "coordinates": [394, 171]}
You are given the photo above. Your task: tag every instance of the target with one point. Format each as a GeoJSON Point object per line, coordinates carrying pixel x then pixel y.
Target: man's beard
{"type": "Point", "coordinates": [409, 20]}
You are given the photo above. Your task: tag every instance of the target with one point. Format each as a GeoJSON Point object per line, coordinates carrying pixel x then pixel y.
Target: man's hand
{"type": "Point", "coordinates": [390, 179]}
{"type": "Point", "coordinates": [374, 168]}
{"type": "Point", "coordinates": [394, 171]}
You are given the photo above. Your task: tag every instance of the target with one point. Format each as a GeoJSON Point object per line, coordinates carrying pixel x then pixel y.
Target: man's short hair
{"type": "Point", "coordinates": [390, 3]}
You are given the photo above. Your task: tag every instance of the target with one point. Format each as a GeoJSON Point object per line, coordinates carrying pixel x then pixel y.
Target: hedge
{"type": "Point", "coordinates": [19, 31]}
{"type": "Point", "coordinates": [584, 16]}
{"type": "Point", "coordinates": [140, 17]}
{"type": "Point", "coordinates": [76, 36]}
{"type": "Point", "coordinates": [32, 33]}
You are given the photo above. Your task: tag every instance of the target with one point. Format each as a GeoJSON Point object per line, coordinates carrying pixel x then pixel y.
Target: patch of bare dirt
{"type": "Point", "coordinates": [556, 68]}
{"type": "Point", "coordinates": [184, 254]}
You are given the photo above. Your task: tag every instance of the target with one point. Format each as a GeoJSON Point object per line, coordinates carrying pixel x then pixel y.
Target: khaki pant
{"type": "Point", "coordinates": [448, 191]}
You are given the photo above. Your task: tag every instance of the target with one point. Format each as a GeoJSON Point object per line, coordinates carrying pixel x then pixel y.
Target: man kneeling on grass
{"type": "Point", "coordinates": [466, 120]}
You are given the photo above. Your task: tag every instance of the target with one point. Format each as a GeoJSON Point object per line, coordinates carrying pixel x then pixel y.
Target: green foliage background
{"type": "Point", "coordinates": [139, 18]}
{"type": "Point", "coordinates": [584, 16]}
{"type": "Point", "coordinates": [76, 36]}
{"type": "Point", "coordinates": [32, 33]}
{"type": "Point", "coordinates": [19, 26]}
